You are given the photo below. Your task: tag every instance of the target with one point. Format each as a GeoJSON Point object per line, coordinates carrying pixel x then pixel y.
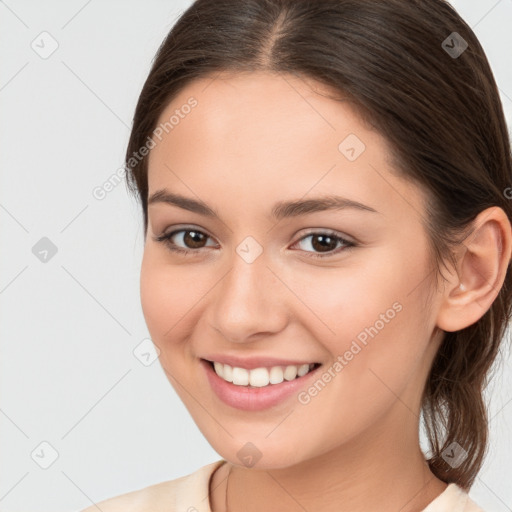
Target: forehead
{"type": "Point", "coordinates": [276, 100]}
{"type": "Point", "coordinates": [260, 136]}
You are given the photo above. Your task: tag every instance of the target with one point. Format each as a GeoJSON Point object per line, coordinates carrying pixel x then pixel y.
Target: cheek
{"type": "Point", "coordinates": [172, 300]}
{"type": "Point", "coordinates": [370, 317]}
{"type": "Point", "coordinates": [375, 357]}
{"type": "Point", "coordinates": [154, 295]}
{"type": "Point", "coordinates": [338, 304]}
{"type": "Point", "coordinates": [164, 298]}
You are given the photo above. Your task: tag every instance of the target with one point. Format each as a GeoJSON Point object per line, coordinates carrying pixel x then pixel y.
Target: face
{"type": "Point", "coordinates": [266, 285]}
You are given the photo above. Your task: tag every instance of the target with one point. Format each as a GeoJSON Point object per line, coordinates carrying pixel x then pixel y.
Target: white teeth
{"type": "Point", "coordinates": [276, 375]}
{"type": "Point", "coordinates": [240, 376]}
{"type": "Point", "coordinates": [260, 377]}
{"type": "Point", "coordinates": [227, 373]}
{"type": "Point", "coordinates": [290, 372]}
{"type": "Point", "coordinates": [219, 368]}
{"type": "Point", "coordinates": [303, 369]}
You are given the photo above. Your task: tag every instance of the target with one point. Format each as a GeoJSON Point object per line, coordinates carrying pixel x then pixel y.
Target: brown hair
{"type": "Point", "coordinates": [440, 112]}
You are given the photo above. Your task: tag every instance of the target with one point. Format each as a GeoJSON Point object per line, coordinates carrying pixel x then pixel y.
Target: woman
{"type": "Point", "coordinates": [327, 249]}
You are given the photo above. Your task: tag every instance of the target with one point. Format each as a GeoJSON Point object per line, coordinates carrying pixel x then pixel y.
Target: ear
{"type": "Point", "coordinates": [482, 264]}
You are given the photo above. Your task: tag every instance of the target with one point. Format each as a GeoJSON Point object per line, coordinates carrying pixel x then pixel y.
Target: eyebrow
{"type": "Point", "coordinates": [280, 210]}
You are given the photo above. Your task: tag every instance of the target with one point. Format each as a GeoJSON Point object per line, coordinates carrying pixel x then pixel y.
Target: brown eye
{"type": "Point", "coordinates": [323, 243]}
{"type": "Point", "coordinates": [194, 239]}
{"type": "Point", "coordinates": [186, 241]}
{"type": "Point", "coordinates": [326, 244]}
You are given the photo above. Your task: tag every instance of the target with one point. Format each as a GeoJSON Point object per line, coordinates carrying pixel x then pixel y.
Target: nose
{"type": "Point", "coordinates": [249, 303]}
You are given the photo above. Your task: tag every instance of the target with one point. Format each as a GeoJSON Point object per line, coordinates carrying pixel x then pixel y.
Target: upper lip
{"type": "Point", "coordinates": [255, 362]}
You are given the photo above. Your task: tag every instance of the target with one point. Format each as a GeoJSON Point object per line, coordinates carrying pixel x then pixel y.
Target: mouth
{"type": "Point", "coordinates": [261, 388]}
{"type": "Point", "coordinates": [260, 377]}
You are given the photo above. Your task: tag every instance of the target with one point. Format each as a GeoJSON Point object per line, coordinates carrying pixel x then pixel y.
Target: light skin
{"type": "Point", "coordinates": [254, 140]}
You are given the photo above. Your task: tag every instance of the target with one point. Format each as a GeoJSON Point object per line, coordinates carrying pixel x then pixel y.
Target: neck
{"type": "Point", "coordinates": [373, 472]}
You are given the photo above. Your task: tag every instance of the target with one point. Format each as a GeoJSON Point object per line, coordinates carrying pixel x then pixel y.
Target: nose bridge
{"type": "Point", "coordinates": [247, 299]}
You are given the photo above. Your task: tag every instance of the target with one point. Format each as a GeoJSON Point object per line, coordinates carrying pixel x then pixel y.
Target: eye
{"type": "Point", "coordinates": [326, 243]}
{"type": "Point", "coordinates": [193, 239]}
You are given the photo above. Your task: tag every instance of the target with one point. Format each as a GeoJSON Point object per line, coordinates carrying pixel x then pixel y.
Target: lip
{"type": "Point", "coordinates": [249, 363]}
{"type": "Point", "coordinates": [255, 399]}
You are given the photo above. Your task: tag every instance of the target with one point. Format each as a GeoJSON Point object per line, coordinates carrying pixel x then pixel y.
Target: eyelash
{"type": "Point", "coordinates": [166, 239]}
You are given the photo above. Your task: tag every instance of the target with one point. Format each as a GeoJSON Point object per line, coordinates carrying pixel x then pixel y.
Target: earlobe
{"type": "Point", "coordinates": [482, 265]}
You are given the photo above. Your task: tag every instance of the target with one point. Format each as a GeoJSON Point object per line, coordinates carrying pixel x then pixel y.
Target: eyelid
{"type": "Point", "coordinates": [178, 228]}
{"type": "Point", "coordinates": [327, 231]}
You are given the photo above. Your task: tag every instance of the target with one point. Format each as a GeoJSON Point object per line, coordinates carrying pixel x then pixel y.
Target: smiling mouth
{"type": "Point", "coordinates": [263, 376]}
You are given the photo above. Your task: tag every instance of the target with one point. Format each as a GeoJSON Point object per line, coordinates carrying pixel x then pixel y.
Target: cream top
{"type": "Point", "coordinates": [190, 494]}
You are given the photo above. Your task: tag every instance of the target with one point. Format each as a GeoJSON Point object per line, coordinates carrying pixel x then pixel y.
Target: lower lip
{"type": "Point", "coordinates": [254, 399]}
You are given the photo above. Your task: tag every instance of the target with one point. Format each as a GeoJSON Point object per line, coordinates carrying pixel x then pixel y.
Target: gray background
{"type": "Point", "coordinates": [70, 325]}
